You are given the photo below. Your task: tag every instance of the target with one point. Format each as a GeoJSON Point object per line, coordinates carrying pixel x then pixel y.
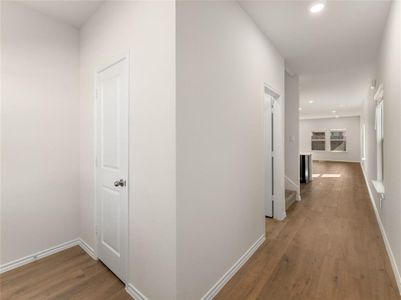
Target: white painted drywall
{"type": "Point", "coordinates": [351, 124]}
{"type": "Point", "coordinates": [40, 132]}
{"type": "Point", "coordinates": [223, 60]}
{"type": "Point", "coordinates": [292, 130]}
{"type": "Point", "coordinates": [147, 29]}
{"type": "Point", "coordinates": [388, 73]}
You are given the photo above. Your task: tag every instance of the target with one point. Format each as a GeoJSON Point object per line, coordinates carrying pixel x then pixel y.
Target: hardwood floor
{"type": "Point", "coordinates": [70, 274]}
{"type": "Point", "coordinates": [328, 247]}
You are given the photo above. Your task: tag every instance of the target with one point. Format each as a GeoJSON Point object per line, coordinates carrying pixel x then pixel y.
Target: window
{"type": "Point", "coordinates": [334, 140]}
{"type": "Point", "coordinates": [379, 126]}
{"type": "Point", "coordinates": [338, 142]}
{"type": "Point", "coordinates": [318, 141]}
{"type": "Point", "coordinates": [380, 140]}
{"type": "Point", "coordinates": [363, 142]}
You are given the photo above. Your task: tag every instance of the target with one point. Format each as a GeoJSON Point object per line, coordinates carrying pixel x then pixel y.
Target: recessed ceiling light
{"type": "Point", "coordinates": [333, 111]}
{"type": "Point", "coordinates": [316, 7]}
{"type": "Point", "coordinates": [300, 108]}
{"type": "Point", "coordinates": [311, 101]}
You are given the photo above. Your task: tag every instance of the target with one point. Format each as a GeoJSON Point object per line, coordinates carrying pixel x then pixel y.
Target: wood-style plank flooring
{"type": "Point", "coordinates": [70, 274]}
{"type": "Point", "coordinates": [328, 247]}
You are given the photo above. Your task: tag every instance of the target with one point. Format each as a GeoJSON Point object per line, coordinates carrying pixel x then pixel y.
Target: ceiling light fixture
{"type": "Point", "coordinates": [300, 108]}
{"type": "Point", "coordinates": [311, 101]}
{"type": "Point", "coordinates": [333, 111]}
{"type": "Point", "coordinates": [316, 7]}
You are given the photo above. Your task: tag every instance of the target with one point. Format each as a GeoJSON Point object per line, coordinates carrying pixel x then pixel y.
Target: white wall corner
{"type": "Point", "coordinates": [88, 249]}
{"type": "Point", "coordinates": [134, 292]}
{"type": "Point", "coordinates": [383, 233]}
{"type": "Point", "coordinates": [234, 269]}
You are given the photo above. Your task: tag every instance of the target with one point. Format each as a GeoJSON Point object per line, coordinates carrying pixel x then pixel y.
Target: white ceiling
{"type": "Point", "coordinates": [342, 92]}
{"type": "Point", "coordinates": [72, 12]}
{"type": "Point", "coordinates": [332, 51]}
{"type": "Point", "coordinates": [345, 34]}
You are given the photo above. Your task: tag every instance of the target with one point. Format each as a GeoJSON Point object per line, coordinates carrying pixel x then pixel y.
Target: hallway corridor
{"type": "Point", "coordinates": [328, 247]}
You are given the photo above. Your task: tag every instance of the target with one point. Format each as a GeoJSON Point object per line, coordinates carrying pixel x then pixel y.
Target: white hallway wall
{"type": "Point", "coordinates": [352, 124]}
{"type": "Point", "coordinates": [148, 30]}
{"type": "Point", "coordinates": [221, 69]}
{"type": "Point", "coordinates": [40, 97]}
{"type": "Point", "coordinates": [388, 73]}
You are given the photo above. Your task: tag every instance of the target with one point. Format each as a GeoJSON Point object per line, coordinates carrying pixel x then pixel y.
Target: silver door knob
{"type": "Point", "coordinates": [120, 182]}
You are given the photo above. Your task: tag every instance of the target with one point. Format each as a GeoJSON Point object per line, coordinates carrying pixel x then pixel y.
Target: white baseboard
{"type": "Point", "coordinates": [233, 270]}
{"type": "Point", "coordinates": [282, 217]}
{"type": "Point", "coordinates": [134, 292]}
{"type": "Point", "coordinates": [38, 255]}
{"type": "Point", "coordinates": [47, 252]}
{"type": "Point", "coordinates": [383, 232]}
{"type": "Point", "coordinates": [88, 249]}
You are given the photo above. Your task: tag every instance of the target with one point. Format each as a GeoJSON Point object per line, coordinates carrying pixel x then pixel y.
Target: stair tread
{"type": "Point", "coordinates": [289, 193]}
{"type": "Point", "coordinates": [290, 197]}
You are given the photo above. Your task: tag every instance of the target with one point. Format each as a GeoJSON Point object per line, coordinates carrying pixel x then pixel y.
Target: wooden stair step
{"type": "Point", "coordinates": [290, 198]}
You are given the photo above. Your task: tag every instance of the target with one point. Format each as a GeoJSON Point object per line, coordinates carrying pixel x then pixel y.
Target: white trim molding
{"type": "Point", "coordinates": [47, 252]}
{"type": "Point", "coordinates": [282, 217]}
{"type": "Point", "coordinates": [384, 236]}
{"type": "Point", "coordinates": [233, 270]}
{"type": "Point", "coordinates": [38, 255]}
{"type": "Point", "coordinates": [134, 292]}
{"type": "Point", "coordinates": [88, 249]}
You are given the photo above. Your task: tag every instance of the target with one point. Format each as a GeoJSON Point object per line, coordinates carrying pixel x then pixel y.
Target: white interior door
{"type": "Point", "coordinates": [269, 154]}
{"type": "Point", "coordinates": [112, 166]}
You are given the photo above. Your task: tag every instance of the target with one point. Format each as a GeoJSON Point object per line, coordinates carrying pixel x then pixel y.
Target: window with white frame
{"type": "Point", "coordinates": [338, 140]}
{"type": "Point", "coordinates": [379, 126]}
{"type": "Point", "coordinates": [363, 141]}
{"type": "Point", "coordinates": [380, 133]}
{"type": "Point", "coordinates": [318, 141]}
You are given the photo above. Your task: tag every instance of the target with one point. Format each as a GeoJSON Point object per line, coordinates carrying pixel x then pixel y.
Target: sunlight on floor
{"type": "Point", "coordinates": [326, 175]}
{"type": "Point", "coordinates": [331, 175]}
